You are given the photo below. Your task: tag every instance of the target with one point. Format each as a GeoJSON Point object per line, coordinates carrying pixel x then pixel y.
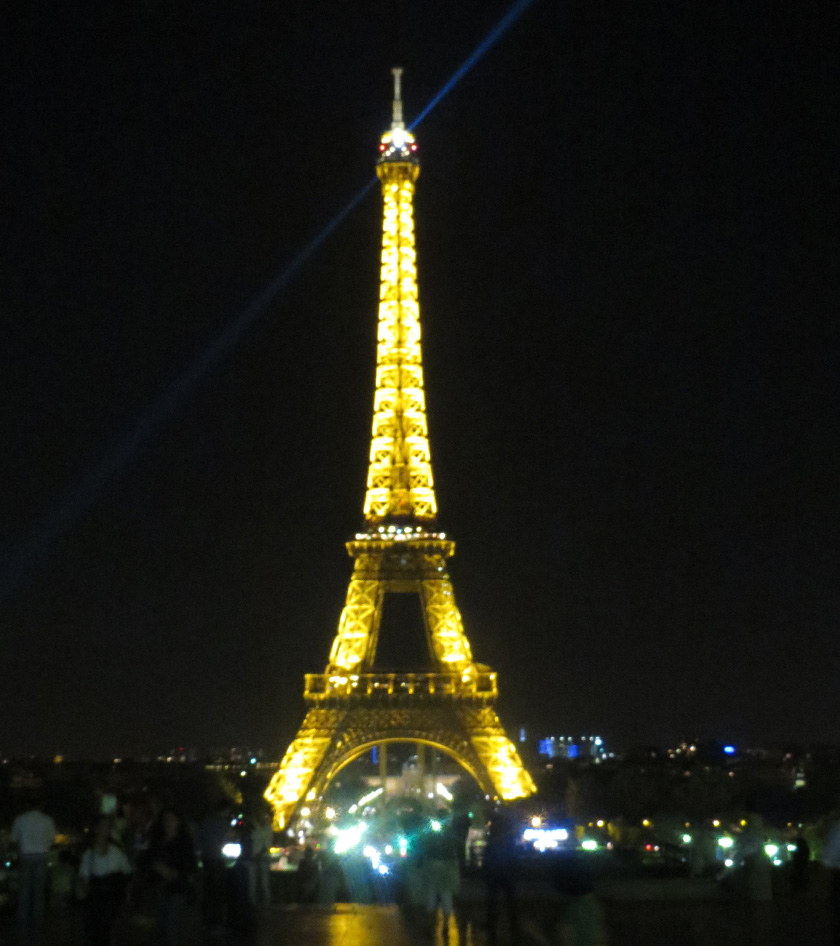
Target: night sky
{"type": "Point", "coordinates": [628, 266]}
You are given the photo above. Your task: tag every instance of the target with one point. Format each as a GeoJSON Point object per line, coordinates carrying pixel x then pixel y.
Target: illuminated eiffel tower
{"type": "Point", "coordinates": [352, 707]}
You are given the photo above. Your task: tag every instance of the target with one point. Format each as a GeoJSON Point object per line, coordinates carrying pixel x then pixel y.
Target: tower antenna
{"type": "Point", "coordinates": [397, 117]}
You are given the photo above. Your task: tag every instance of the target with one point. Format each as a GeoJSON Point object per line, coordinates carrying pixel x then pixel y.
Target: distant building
{"type": "Point", "coordinates": [573, 747]}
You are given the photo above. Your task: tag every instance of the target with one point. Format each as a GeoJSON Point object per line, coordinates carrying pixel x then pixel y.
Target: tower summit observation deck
{"type": "Point", "coordinates": [352, 707]}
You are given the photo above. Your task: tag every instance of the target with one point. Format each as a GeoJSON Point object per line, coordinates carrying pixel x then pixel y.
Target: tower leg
{"type": "Point", "coordinates": [383, 766]}
{"type": "Point", "coordinates": [421, 768]}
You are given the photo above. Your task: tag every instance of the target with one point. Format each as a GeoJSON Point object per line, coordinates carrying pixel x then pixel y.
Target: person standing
{"type": "Point", "coordinates": [500, 865]}
{"type": "Point", "coordinates": [173, 862]}
{"type": "Point", "coordinates": [799, 865]}
{"type": "Point", "coordinates": [213, 833]}
{"type": "Point", "coordinates": [440, 869]}
{"type": "Point", "coordinates": [830, 858]}
{"type": "Point", "coordinates": [34, 834]}
{"type": "Point", "coordinates": [756, 877]}
{"type": "Point", "coordinates": [261, 836]}
{"type": "Point", "coordinates": [102, 883]}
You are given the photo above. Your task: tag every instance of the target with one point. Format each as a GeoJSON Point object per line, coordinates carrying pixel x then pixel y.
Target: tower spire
{"type": "Point", "coordinates": [397, 120]}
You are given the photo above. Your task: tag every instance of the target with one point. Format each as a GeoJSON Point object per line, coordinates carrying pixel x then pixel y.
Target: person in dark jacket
{"type": "Point", "coordinates": [173, 862]}
{"type": "Point", "coordinates": [500, 866]}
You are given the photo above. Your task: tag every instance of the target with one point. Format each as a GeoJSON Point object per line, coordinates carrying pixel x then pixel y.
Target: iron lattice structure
{"type": "Point", "coordinates": [351, 706]}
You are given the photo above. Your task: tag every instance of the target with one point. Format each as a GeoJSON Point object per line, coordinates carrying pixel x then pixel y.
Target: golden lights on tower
{"type": "Point", "coordinates": [399, 482]}
{"type": "Point", "coordinates": [351, 706]}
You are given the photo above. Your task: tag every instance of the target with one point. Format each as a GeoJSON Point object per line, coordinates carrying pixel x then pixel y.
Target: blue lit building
{"type": "Point", "coordinates": [573, 747]}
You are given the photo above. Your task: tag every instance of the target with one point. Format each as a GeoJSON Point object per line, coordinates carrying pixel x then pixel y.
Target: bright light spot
{"type": "Point", "coordinates": [305, 812]}
{"type": "Point", "coordinates": [435, 825]}
{"type": "Point", "coordinates": [725, 842]}
{"type": "Point", "coordinates": [589, 845]}
{"type": "Point", "coordinates": [771, 850]}
{"type": "Point", "coordinates": [347, 839]}
{"type": "Point", "coordinates": [372, 855]}
{"type": "Point", "coordinates": [600, 824]}
{"type": "Point", "coordinates": [536, 821]}
{"type": "Point", "coordinates": [645, 823]}
{"type": "Point", "coordinates": [253, 760]}
{"type": "Point", "coordinates": [728, 862]}
{"type": "Point", "coordinates": [443, 791]}
{"type": "Point", "coordinates": [243, 773]}
{"type": "Point", "coordinates": [545, 834]}
{"type": "Point", "coordinates": [369, 797]}
{"type": "Point", "coordinates": [729, 750]}
{"type": "Point", "coordinates": [791, 848]}
{"type": "Point", "coordinates": [383, 869]}
{"type": "Point", "coordinates": [232, 849]}
{"type": "Point", "coordinates": [329, 814]}
{"type": "Point", "coordinates": [716, 823]}
{"type": "Point", "coordinates": [686, 839]}
{"type": "Point", "coordinates": [389, 849]}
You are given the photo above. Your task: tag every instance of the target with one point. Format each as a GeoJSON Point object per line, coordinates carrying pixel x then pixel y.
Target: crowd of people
{"type": "Point", "coordinates": [143, 865]}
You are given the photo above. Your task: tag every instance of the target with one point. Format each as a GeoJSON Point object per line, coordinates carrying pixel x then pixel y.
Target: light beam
{"type": "Point", "coordinates": [136, 435]}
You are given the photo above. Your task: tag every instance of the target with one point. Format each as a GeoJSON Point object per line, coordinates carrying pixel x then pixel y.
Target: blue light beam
{"type": "Point", "coordinates": [130, 441]}
{"type": "Point", "coordinates": [136, 435]}
{"type": "Point", "coordinates": [489, 41]}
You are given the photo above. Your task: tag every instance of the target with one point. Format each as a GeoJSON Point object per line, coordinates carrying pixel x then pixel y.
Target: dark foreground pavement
{"type": "Point", "coordinates": [628, 922]}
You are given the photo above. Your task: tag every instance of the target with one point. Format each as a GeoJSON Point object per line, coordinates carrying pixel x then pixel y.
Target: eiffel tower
{"type": "Point", "coordinates": [352, 707]}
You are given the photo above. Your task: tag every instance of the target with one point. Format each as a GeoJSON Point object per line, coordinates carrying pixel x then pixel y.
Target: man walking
{"type": "Point", "coordinates": [34, 834]}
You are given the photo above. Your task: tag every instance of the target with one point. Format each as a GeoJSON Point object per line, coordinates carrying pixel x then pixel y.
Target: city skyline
{"type": "Point", "coordinates": [625, 282]}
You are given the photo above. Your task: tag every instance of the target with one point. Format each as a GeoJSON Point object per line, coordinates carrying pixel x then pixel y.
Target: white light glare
{"type": "Point", "coordinates": [365, 799]}
{"type": "Point", "coordinates": [233, 849]}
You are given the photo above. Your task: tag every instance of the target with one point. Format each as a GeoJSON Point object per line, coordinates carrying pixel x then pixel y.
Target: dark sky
{"type": "Point", "coordinates": [629, 284]}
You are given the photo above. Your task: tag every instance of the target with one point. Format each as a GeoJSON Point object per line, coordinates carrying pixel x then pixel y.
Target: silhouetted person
{"type": "Point", "coordinates": [102, 882]}
{"type": "Point", "coordinates": [213, 833]}
{"type": "Point", "coordinates": [582, 921]}
{"type": "Point", "coordinates": [756, 875]}
{"type": "Point", "coordinates": [500, 868]}
{"type": "Point", "coordinates": [260, 837]}
{"type": "Point", "coordinates": [34, 834]}
{"type": "Point", "coordinates": [331, 879]}
{"type": "Point", "coordinates": [440, 869]}
{"type": "Point", "coordinates": [307, 877]}
{"type": "Point", "coordinates": [830, 858]}
{"type": "Point", "coordinates": [799, 862]}
{"type": "Point", "coordinates": [242, 920]}
{"type": "Point", "coordinates": [173, 861]}
{"type": "Point", "coordinates": [460, 829]}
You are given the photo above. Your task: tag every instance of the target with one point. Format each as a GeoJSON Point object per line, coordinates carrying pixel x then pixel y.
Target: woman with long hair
{"type": "Point", "coordinates": [102, 883]}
